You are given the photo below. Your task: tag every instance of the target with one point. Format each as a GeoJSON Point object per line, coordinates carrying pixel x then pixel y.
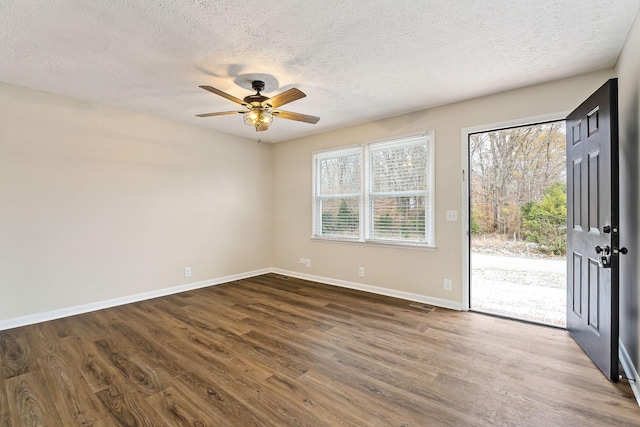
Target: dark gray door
{"type": "Point", "coordinates": [592, 227]}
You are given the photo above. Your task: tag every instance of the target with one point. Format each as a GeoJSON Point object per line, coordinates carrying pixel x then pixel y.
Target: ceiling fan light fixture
{"type": "Point", "coordinates": [258, 117]}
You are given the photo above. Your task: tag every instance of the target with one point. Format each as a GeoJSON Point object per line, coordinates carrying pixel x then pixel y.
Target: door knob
{"type": "Point", "coordinates": [600, 249]}
{"type": "Point", "coordinates": [622, 251]}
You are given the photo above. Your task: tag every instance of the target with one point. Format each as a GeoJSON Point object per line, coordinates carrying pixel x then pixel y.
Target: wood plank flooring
{"type": "Point", "coordinates": [277, 351]}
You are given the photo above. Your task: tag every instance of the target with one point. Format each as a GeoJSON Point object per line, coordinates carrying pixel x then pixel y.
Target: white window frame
{"type": "Point", "coordinates": [317, 215]}
{"type": "Point", "coordinates": [365, 206]}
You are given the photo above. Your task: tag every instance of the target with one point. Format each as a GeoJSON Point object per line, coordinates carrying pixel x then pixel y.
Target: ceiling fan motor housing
{"type": "Point", "coordinates": [257, 85]}
{"type": "Point", "coordinates": [257, 99]}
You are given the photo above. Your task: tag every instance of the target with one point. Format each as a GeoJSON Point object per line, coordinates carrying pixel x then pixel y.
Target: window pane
{"type": "Point", "coordinates": [399, 169]}
{"type": "Point", "coordinates": [399, 218]}
{"type": "Point", "coordinates": [341, 217]}
{"type": "Point", "coordinates": [339, 175]}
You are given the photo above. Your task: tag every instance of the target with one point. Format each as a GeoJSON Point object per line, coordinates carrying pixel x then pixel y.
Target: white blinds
{"type": "Point", "coordinates": [398, 189]}
{"type": "Point", "coordinates": [338, 193]}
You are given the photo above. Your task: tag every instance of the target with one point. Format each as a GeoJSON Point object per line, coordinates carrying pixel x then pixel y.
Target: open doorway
{"type": "Point", "coordinates": [517, 190]}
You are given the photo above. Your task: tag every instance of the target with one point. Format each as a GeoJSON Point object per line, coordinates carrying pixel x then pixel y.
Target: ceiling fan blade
{"type": "Point", "coordinates": [296, 116]}
{"type": "Point", "coordinates": [285, 97]}
{"type": "Point", "coordinates": [224, 95]}
{"type": "Point", "coordinates": [260, 128]}
{"type": "Point", "coordinates": [221, 113]}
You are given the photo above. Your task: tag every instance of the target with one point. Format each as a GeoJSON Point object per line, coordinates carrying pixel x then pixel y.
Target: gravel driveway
{"type": "Point", "coordinates": [527, 288]}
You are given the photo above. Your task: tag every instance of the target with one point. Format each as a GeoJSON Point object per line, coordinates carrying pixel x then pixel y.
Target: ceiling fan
{"type": "Point", "coordinates": [261, 110]}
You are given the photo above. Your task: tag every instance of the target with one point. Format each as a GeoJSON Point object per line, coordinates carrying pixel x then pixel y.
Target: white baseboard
{"type": "Point", "coordinates": [629, 370]}
{"type": "Point", "coordinates": [80, 309]}
{"type": "Point", "coordinates": [453, 305]}
{"type": "Point", "coordinates": [85, 308]}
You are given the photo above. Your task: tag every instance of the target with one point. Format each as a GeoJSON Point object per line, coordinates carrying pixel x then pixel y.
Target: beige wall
{"type": "Point", "coordinates": [418, 272]}
{"type": "Point", "coordinates": [628, 70]}
{"type": "Point", "coordinates": [99, 203]}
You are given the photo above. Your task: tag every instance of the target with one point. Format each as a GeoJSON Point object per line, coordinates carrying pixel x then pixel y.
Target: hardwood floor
{"type": "Point", "coordinates": [275, 351]}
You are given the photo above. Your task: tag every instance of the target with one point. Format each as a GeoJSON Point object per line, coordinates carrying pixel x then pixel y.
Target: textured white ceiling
{"type": "Point", "coordinates": [356, 60]}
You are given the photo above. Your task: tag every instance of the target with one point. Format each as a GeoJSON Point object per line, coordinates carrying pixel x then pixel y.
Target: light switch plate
{"type": "Point", "coordinates": [452, 215]}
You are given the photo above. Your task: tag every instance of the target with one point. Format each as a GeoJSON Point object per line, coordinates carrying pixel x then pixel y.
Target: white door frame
{"type": "Point", "coordinates": [464, 134]}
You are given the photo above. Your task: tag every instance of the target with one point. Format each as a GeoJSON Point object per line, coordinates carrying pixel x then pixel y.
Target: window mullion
{"type": "Point", "coordinates": [366, 206]}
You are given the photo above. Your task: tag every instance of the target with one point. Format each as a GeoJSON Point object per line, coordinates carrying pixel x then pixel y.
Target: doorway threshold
{"type": "Point", "coordinates": [517, 319]}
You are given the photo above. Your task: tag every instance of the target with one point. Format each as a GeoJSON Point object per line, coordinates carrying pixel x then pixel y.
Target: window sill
{"type": "Point", "coordinates": [375, 243]}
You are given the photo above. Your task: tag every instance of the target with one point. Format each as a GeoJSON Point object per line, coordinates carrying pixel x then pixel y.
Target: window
{"type": "Point", "coordinates": [379, 192]}
{"type": "Point", "coordinates": [339, 193]}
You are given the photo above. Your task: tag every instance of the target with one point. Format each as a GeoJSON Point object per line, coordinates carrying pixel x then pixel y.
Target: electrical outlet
{"type": "Point", "coordinates": [187, 272]}
{"type": "Point", "coordinates": [302, 261]}
{"type": "Point", "coordinates": [448, 284]}
{"type": "Point", "coordinates": [452, 215]}
{"type": "Point", "coordinates": [361, 271]}
{"type": "Point", "coordinates": [307, 263]}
